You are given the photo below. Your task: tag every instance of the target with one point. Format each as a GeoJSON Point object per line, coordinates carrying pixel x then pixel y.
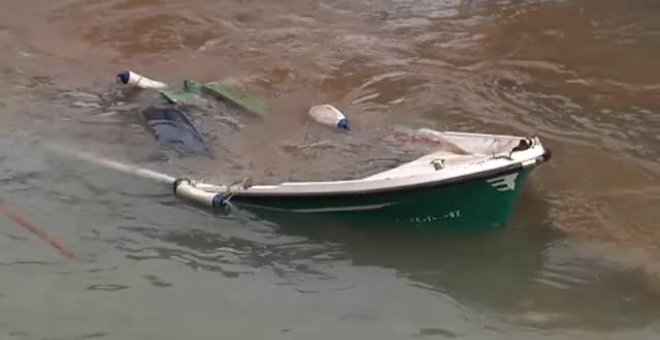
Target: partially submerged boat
{"type": "Point", "coordinates": [171, 127]}
{"type": "Point", "coordinates": [169, 121]}
{"type": "Point", "coordinates": [478, 187]}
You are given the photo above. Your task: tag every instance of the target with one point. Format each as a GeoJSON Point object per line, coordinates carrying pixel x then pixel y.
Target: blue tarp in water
{"type": "Point", "coordinates": [172, 128]}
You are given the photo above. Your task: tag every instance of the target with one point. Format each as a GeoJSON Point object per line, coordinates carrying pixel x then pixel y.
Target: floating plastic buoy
{"type": "Point", "coordinates": [131, 78]}
{"type": "Point", "coordinates": [328, 115]}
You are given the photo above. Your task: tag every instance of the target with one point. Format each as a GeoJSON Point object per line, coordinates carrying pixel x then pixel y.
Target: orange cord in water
{"type": "Point", "coordinates": [42, 234]}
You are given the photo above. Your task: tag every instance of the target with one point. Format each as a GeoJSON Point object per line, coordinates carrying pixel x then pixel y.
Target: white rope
{"type": "Point", "coordinates": [126, 168]}
{"type": "Point", "coordinates": [191, 191]}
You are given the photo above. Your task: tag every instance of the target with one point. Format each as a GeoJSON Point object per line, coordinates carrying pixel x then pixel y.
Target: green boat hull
{"type": "Point", "coordinates": [476, 202]}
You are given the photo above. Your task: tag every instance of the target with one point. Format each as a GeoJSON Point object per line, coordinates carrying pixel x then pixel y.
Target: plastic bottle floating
{"type": "Point", "coordinates": [131, 78]}
{"type": "Point", "coordinates": [328, 115]}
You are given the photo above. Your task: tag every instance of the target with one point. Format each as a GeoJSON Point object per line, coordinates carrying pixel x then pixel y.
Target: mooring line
{"type": "Point", "coordinates": [41, 233]}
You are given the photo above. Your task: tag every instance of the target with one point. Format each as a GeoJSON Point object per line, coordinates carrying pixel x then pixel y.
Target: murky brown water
{"type": "Point", "coordinates": [580, 259]}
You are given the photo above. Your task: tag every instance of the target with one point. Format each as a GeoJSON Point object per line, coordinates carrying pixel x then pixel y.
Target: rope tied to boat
{"type": "Point", "coordinates": [224, 200]}
{"type": "Point", "coordinates": [189, 189]}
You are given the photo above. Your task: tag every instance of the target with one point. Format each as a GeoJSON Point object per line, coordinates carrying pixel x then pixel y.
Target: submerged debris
{"type": "Point", "coordinates": [171, 127]}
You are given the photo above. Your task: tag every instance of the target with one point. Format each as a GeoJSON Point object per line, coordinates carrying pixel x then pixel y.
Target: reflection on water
{"type": "Point", "coordinates": [526, 275]}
